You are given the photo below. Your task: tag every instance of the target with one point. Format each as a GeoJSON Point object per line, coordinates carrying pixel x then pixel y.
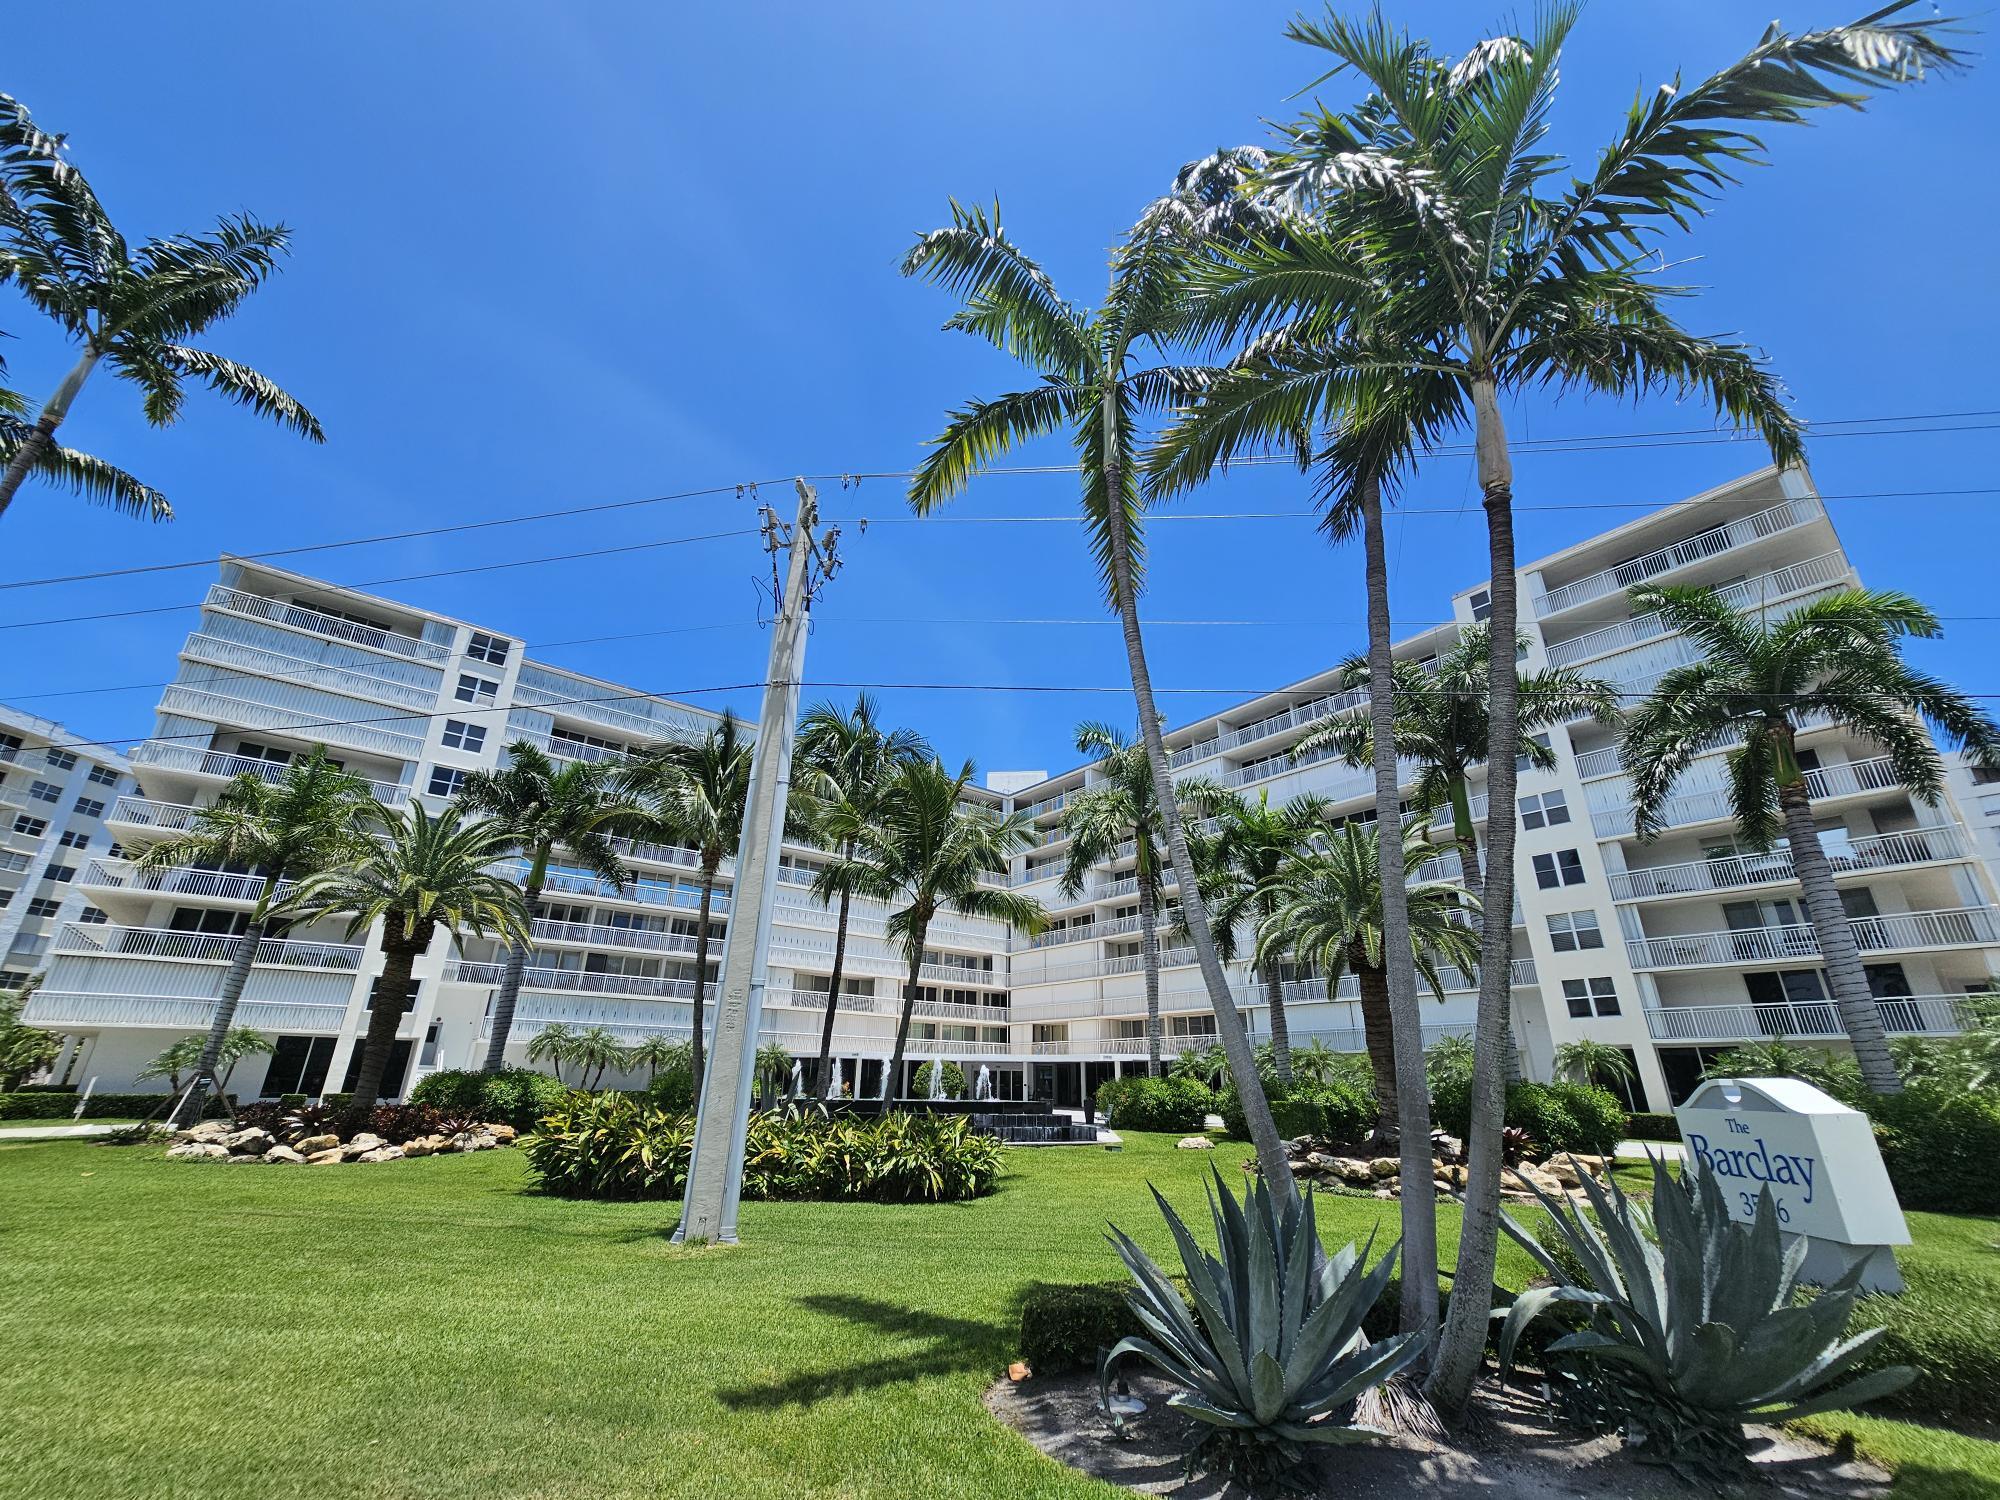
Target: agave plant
{"type": "Point", "coordinates": [1272, 1357]}
{"type": "Point", "coordinates": [1697, 1323]}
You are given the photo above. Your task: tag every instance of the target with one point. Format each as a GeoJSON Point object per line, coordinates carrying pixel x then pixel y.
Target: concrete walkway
{"type": "Point", "coordinates": [54, 1132]}
{"type": "Point", "coordinates": [1640, 1150]}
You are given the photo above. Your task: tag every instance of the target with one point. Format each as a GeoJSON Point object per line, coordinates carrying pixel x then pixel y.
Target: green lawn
{"type": "Point", "coordinates": [431, 1328]}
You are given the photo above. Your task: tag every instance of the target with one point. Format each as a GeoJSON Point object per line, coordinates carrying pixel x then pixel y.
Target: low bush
{"type": "Point", "coordinates": [1142, 1103]}
{"type": "Point", "coordinates": [614, 1146]}
{"type": "Point", "coordinates": [1651, 1127]}
{"type": "Point", "coordinates": [1946, 1327]}
{"type": "Point", "coordinates": [43, 1105]}
{"type": "Point", "coordinates": [512, 1096]}
{"type": "Point", "coordinates": [672, 1090]}
{"type": "Point", "coordinates": [1066, 1327]}
{"type": "Point", "coordinates": [1940, 1147]}
{"type": "Point", "coordinates": [1558, 1116]}
{"type": "Point", "coordinates": [954, 1080]}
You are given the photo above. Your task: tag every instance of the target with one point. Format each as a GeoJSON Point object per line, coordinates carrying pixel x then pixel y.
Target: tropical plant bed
{"type": "Point", "coordinates": [1362, 1169]}
{"type": "Point", "coordinates": [1517, 1450]}
{"type": "Point", "coordinates": [218, 1140]}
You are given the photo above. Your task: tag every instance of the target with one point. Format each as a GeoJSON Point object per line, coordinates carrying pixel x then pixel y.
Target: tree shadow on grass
{"type": "Point", "coordinates": [952, 1345]}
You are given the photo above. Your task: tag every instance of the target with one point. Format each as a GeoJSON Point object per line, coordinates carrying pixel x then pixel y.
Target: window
{"type": "Point", "coordinates": [43, 791]}
{"type": "Point", "coordinates": [1981, 775]}
{"type": "Point", "coordinates": [10, 746]}
{"type": "Point", "coordinates": [89, 807]}
{"type": "Point", "coordinates": [446, 781]}
{"type": "Point", "coordinates": [60, 874]}
{"type": "Point", "coordinates": [90, 916]}
{"type": "Point", "coordinates": [1482, 604]}
{"type": "Point", "coordinates": [489, 648]}
{"type": "Point", "coordinates": [73, 839]}
{"type": "Point", "coordinates": [1522, 765]}
{"type": "Point", "coordinates": [1570, 931]}
{"type": "Point", "coordinates": [1564, 867]}
{"type": "Point", "coordinates": [5, 898]}
{"type": "Point", "coordinates": [34, 828]}
{"type": "Point", "coordinates": [42, 906]}
{"type": "Point", "coordinates": [103, 776]}
{"type": "Point", "coordinates": [1587, 997]}
{"type": "Point", "coordinates": [1544, 811]}
{"type": "Point", "coordinates": [476, 689]}
{"type": "Point", "coordinates": [459, 735]}
{"type": "Point", "coordinates": [62, 760]}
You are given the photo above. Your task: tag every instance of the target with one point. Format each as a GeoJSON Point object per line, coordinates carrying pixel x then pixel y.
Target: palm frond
{"type": "Point", "coordinates": [81, 474]}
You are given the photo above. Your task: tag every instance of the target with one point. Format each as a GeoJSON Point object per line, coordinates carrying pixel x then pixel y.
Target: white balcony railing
{"type": "Point", "coordinates": [172, 757]}
{"type": "Point", "coordinates": [1751, 593]}
{"type": "Point", "coordinates": [1705, 544]}
{"type": "Point", "coordinates": [219, 885]}
{"type": "Point", "coordinates": [1712, 804]}
{"type": "Point", "coordinates": [68, 1008]}
{"type": "Point", "coordinates": [602, 935]}
{"type": "Point", "coordinates": [215, 651]}
{"type": "Point", "coordinates": [298, 617]}
{"type": "Point", "coordinates": [168, 817]}
{"type": "Point", "coordinates": [645, 892]}
{"type": "Point", "coordinates": [1909, 1015]}
{"type": "Point", "coordinates": [1880, 851]}
{"type": "Point", "coordinates": [1952, 927]}
{"type": "Point", "coordinates": [311, 725]}
{"type": "Point", "coordinates": [204, 947]}
{"type": "Point", "coordinates": [577, 981]}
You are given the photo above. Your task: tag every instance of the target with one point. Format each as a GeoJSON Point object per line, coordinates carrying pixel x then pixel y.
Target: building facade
{"type": "Point", "coordinates": [1672, 948]}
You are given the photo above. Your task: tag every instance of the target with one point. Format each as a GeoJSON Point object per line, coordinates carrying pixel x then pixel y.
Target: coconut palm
{"type": "Point", "coordinates": [1586, 1061]}
{"type": "Point", "coordinates": [1759, 679]}
{"type": "Point", "coordinates": [842, 762]}
{"type": "Point", "coordinates": [1092, 384]}
{"type": "Point", "coordinates": [417, 875]}
{"type": "Point", "coordinates": [131, 309]}
{"type": "Point", "coordinates": [76, 472]}
{"type": "Point", "coordinates": [1238, 855]}
{"type": "Point", "coordinates": [308, 821]}
{"type": "Point", "coordinates": [928, 853]}
{"type": "Point", "coordinates": [1121, 808]}
{"type": "Point", "coordinates": [551, 812]}
{"type": "Point", "coordinates": [1326, 911]}
{"type": "Point", "coordinates": [1449, 248]}
{"type": "Point", "coordinates": [693, 792]}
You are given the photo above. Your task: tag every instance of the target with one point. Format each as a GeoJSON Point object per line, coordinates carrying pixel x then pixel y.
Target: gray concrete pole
{"type": "Point", "coordinates": [715, 1176]}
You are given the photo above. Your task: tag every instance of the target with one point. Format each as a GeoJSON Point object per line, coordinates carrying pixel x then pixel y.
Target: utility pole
{"type": "Point", "coordinates": [715, 1175]}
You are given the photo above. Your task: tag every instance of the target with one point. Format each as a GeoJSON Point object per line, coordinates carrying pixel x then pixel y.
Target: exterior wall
{"type": "Point", "coordinates": [1660, 947]}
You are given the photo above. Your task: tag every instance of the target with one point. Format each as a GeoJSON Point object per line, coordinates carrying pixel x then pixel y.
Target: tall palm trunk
{"type": "Point", "coordinates": [1149, 951]}
{"type": "Point", "coordinates": [1465, 834]}
{"type": "Point", "coordinates": [43, 435]}
{"type": "Point", "coordinates": [1281, 1026]}
{"type": "Point", "coordinates": [1378, 1035]}
{"type": "Point", "coordinates": [1859, 1014]}
{"type": "Point", "coordinates": [1462, 1343]}
{"type": "Point", "coordinates": [708, 868]}
{"type": "Point", "coordinates": [823, 1070]}
{"type": "Point", "coordinates": [517, 961]}
{"type": "Point", "coordinates": [234, 978]}
{"type": "Point", "coordinates": [918, 938]}
{"type": "Point", "coordinates": [392, 999]}
{"type": "Point", "coordinates": [1418, 1311]}
{"type": "Point", "coordinates": [1271, 1158]}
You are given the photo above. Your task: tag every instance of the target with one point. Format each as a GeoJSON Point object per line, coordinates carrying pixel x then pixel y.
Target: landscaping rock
{"type": "Point", "coordinates": [252, 1141]}
{"type": "Point", "coordinates": [1352, 1170]}
{"type": "Point", "coordinates": [419, 1146]}
{"type": "Point", "coordinates": [207, 1131]}
{"type": "Point", "coordinates": [253, 1159]}
{"type": "Point", "coordinates": [312, 1145]}
{"type": "Point", "coordinates": [332, 1157]}
{"type": "Point", "coordinates": [284, 1154]}
{"type": "Point", "coordinates": [382, 1153]}
{"type": "Point", "coordinates": [1186, 1143]}
{"type": "Point", "coordinates": [1385, 1166]}
{"type": "Point", "coordinates": [367, 1140]}
{"type": "Point", "coordinates": [506, 1135]}
{"type": "Point", "coordinates": [198, 1151]}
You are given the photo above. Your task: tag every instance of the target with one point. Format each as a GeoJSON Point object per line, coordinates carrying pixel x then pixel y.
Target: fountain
{"type": "Point", "coordinates": [834, 1085]}
{"type": "Point", "coordinates": [798, 1079]}
{"type": "Point", "coordinates": [937, 1078]}
{"type": "Point", "coordinates": [982, 1088]}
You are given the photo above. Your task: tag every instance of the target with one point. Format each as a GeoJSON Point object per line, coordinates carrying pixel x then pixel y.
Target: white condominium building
{"type": "Point", "coordinates": [1672, 949]}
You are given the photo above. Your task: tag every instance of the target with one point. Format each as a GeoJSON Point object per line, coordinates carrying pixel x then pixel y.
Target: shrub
{"type": "Point", "coordinates": [1067, 1327]}
{"type": "Point", "coordinates": [1301, 1112]}
{"type": "Point", "coordinates": [1142, 1103]}
{"type": "Point", "coordinates": [36, 1105]}
{"type": "Point", "coordinates": [672, 1090]}
{"type": "Point", "coordinates": [1940, 1148]}
{"type": "Point", "coordinates": [1652, 1127]}
{"type": "Point", "coordinates": [1558, 1116]}
{"type": "Point", "coordinates": [614, 1146]}
{"type": "Point", "coordinates": [954, 1079]}
{"type": "Point", "coordinates": [512, 1096]}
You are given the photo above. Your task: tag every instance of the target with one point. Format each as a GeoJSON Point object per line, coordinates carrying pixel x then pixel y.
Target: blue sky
{"type": "Point", "coordinates": [551, 255]}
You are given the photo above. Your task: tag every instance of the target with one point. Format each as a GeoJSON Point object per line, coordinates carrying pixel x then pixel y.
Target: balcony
{"type": "Point", "coordinates": [1750, 593]}
{"type": "Point", "coordinates": [815, 1000]}
{"type": "Point", "coordinates": [313, 725]}
{"type": "Point", "coordinates": [102, 940]}
{"type": "Point", "coordinates": [646, 893]}
{"type": "Point", "coordinates": [1891, 932]}
{"type": "Point", "coordinates": [70, 1009]}
{"type": "Point", "coordinates": [215, 651]}
{"type": "Point", "coordinates": [576, 981]}
{"type": "Point", "coordinates": [592, 934]}
{"type": "Point", "coordinates": [1089, 932]}
{"type": "Point", "coordinates": [1702, 545]}
{"type": "Point", "coordinates": [227, 767]}
{"type": "Point", "coordinates": [676, 855]}
{"type": "Point", "coordinates": [1912, 1015]}
{"type": "Point", "coordinates": [143, 812]}
{"type": "Point", "coordinates": [600, 703]}
{"type": "Point", "coordinates": [216, 885]}
{"type": "Point", "coordinates": [1712, 804]}
{"type": "Point", "coordinates": [1883, 851]}
{"type": "Point", "coordinates": [298, 617]}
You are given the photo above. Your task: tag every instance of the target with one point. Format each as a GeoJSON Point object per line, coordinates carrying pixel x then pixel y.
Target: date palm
{"type": "Point", "coordinates": [929, 852]}
{"type": "Point", "coordinates": [554, 1044]}
{"type": "Point", "coordinates": [1238, 856]}
{"type": "Point", "coordinates": [1758, 680]}
{"type": "Point", "coordinates": [1448, 247]}
{"type": "Point", "coordinates": [843, 762]}
{"type": "Point", "coordinates": [659, 1051]}
{"type": "Point", "coordinates": [550, 811]}
{"type": "Point", "coordinates": [418, 875]}
{"type": "Point", "coordinates": [596, 1050]}
{"type": "Point", "coordinates": [1121, 808]}
{"type": "Point", "coordinates": [1095, 384]}
{"type": "Point", "coordinates": [133, 309]}
{"type": "Point", "coordinates": [693, 792]}
{"type": "Point", "coordinates": [308, 821]}
{"type": "Point", "coordinates": [1326, 912]}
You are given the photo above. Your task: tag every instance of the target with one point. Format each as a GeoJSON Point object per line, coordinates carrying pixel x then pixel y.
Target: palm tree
{"type": "Point", "coordinates": [1093, 385]}
{"type": "Point", "coordinates": [1326, 911]}
{"type": "Point", "coordinates": [1121, 808]}
{"type": "Point", "coordinates": [927, 854]}
{"type": "Point", "coordinates": [658, 1051]}
{"type": "Point", "coordinates": [131, 309]}
{"type": "Point", "coordinates": [554, 1044]}
{"type": "Point", "coordinates": [417, 875]}
{"type": "Point", "coordinates": [773, 1067]}
{"type": "Point", "coordinates": [1591, 1062]}
{"type": "Point", "coordinates": [843, 761]}
{"type": "Point", "coordinates": [693, 792]}
{"type": "Point", "coordinates": [1449, 249]}
{"type": "Point", "coordinates": [595, 1050]}
{"type": "Point", "coordinates": [310, 820]}
{"type": "Point", "coordinates": [24, 1050]}
{"type": "Point", "coordinates": [1758, 680]}
{"type": "Point", "coordinates": [77, 472]}
{"type": "Point", "coordinates": [1238, 864]}
{"type": "Point", "coordinates": [550, 812]}
{"type": "Point", "coordinates": [170, 1062]}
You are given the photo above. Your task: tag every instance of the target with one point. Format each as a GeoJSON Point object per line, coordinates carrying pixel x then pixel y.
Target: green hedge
{"type": "Point", "coordinates": [1338, 1111]}
{"type": "Point", "coordinates": [512, 1096]}
{"type": "Point", "coordinates": [1064, 1327]}
{"type": "Point", "coordinates": [27, 1105]}
{"type": "Point", "coordinates": [1941, 1148]}
{"type": "Point", "coordinates": [1142, 1103]}
{"type": "Point", "coordinates": [1652, 1127]}
{"type": "Point", "coordinates": [1559, 1116]}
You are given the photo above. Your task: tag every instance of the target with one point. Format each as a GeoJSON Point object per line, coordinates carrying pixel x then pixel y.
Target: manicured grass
{"type": "Point", "coordinates": [433, 1328]}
